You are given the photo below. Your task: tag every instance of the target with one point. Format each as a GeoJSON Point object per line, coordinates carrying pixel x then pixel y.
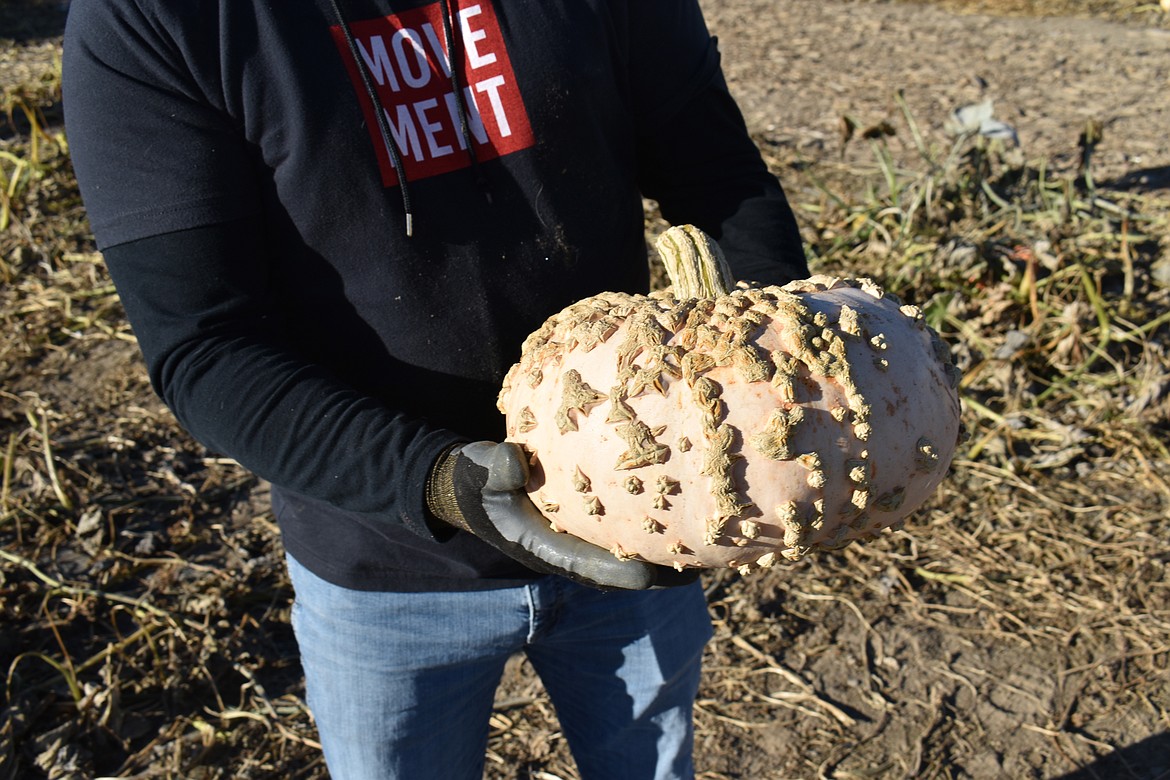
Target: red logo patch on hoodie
{"type": "Point", "coordinates": [407, 60]}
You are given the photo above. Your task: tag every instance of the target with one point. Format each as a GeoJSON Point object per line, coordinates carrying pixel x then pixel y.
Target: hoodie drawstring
{"type": "Point", "coordinates": [454, 63]}
{"type": "Point", "coordinates": [454, 58]}
{"type": "Point", "coordinates": [380, 116]}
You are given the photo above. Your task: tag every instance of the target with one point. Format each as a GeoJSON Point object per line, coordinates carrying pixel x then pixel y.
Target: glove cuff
{"type": "Point", "coordinates": [440, 490]}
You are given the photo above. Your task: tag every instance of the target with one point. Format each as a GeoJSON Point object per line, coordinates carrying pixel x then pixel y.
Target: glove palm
{"type": "Point", "coordinates": [479, 488]}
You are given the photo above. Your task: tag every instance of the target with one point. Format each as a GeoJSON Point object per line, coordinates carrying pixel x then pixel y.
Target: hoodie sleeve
{"type": "Point", "coordinates": [197, 300]}
{"type": "Point", "coordinates": [695, 155]}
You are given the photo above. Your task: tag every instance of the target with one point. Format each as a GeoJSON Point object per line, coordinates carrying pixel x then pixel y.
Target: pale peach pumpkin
{"type": "Point", "coordinates": [706, 426]}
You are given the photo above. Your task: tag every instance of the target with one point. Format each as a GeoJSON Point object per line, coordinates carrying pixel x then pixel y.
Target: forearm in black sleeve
{"type": "Point", "coordinates": [704, 169]}
{"type": "Point", "coordinates": [197, 300]}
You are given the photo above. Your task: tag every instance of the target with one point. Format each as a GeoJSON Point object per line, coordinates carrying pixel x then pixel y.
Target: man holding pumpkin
{"type": "Point", "coordinates": [332, 224]}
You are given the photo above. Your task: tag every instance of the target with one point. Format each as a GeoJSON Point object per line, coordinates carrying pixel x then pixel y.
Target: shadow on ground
{"type": "Point", "coordinates": [1142, 180]}
{"type": "Point", "coordinates": [1145, 760]}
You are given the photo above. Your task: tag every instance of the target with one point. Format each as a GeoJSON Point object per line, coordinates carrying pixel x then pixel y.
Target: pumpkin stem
{"type": "Point", "coordinates": [695, 264]}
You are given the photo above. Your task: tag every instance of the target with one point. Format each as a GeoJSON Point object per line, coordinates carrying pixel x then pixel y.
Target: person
{"type": "Point", "coordinates": [332, 224]}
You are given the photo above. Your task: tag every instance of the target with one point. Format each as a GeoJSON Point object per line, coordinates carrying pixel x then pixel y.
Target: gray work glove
{"type": "Point", "coordinates": [479, 487]}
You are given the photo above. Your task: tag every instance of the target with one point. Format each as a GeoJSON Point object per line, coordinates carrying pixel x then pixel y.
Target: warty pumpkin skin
{"type": "Point", "coordinates": [707, 427]}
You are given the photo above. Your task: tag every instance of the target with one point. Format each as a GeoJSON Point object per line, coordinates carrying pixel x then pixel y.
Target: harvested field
{"type": "Point", "coordinates": [1018, 627]}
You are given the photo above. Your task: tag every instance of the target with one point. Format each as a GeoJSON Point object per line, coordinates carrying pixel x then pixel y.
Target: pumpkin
{"type": "Point", "coordinates": [715, 424]}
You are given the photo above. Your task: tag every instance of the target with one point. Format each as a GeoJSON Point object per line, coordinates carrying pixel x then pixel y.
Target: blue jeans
{"type": "Point", "coordinates": [402, 684]}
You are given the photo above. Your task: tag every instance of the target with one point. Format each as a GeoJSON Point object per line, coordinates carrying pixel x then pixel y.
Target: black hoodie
{"type": "Point", "coordinates": [251, 211]}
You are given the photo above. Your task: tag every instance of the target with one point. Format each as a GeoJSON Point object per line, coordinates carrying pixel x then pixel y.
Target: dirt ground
{"type": "Point", "coordinates": [797, 68]}
{"type": "Point", "coordinates": [1019, 627]}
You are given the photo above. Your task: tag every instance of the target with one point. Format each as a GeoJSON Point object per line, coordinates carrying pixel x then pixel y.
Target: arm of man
{"type": "Point", "coordinates": [198, 301]}
{"type": "Point", "coordinates": [696, 156]}
{"type": "Point", "coordinates": [171, 190]}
